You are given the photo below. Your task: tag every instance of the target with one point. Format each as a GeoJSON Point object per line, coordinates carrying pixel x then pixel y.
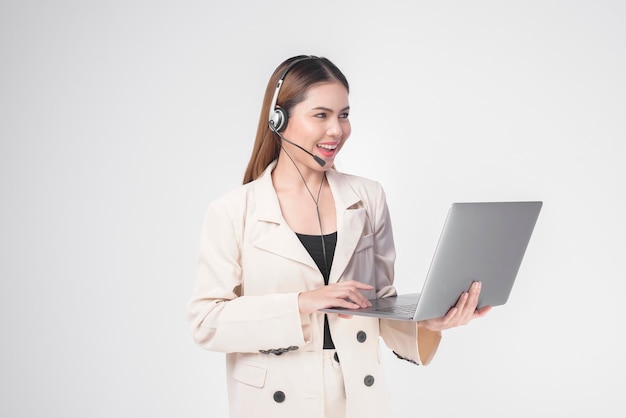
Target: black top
{"type": "Point", "coordinates": [313, 244]}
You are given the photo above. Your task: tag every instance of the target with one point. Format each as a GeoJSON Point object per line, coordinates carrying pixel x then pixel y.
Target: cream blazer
{"type": "Point", "coordinates": [251, 269]}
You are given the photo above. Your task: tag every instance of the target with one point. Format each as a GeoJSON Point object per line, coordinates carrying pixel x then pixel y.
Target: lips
{"type": "Point", "coordinates": [328, 150]}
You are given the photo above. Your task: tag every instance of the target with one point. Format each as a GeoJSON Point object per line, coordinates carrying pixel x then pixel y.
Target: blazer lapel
{"type": "Point", "coordinates": [279, 238]}
{"type": "Point", "coordinates": [351, 217]}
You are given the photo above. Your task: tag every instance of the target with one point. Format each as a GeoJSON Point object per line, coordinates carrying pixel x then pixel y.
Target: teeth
{"type": "Point", "coordinates": [328, 147]}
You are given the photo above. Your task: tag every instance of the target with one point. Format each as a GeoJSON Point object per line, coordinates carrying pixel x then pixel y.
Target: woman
{"type": "Point", "coordinates": [297, 237]}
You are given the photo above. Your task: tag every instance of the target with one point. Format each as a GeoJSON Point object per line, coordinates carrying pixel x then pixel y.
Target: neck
{"type": "Point", "coordinates": [286, 175]}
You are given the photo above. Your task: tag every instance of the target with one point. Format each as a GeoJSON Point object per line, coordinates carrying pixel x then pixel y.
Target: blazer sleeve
{"type": "Point", "coordinates": [407, 340]}
{"type": "Point", "coordinates": [220, 317]}
{"type": "Point", "coordinates": [410, 342]}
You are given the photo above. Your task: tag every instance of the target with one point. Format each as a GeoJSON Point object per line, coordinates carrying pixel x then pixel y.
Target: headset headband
{"type": "Point", "coordinates": [278, 117]}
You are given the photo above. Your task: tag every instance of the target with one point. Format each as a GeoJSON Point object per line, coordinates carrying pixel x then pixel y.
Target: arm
{"type": "Point", "coordinates": [407, 339]}
{"type": "Point", "coordinates": [221, 316]}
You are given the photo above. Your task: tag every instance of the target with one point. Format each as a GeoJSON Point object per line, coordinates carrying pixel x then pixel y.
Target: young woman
{"type": "Point", "coordinates": [297, 237]}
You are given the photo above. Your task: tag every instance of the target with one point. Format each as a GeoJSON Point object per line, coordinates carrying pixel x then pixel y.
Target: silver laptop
{"type": "Point", "coordinates": [483, 241]}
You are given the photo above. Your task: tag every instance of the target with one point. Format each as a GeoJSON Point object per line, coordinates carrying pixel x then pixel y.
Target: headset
{"type": "Point", "coordinates": [277, 121]}
{"type": "Point", "coordinates": [278, 117]}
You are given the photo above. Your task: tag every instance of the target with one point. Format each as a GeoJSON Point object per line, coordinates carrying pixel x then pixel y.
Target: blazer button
{"type": "Point", "coordinates": [369, 380]}
{"type": "Point", "coordinates": [279, 396]}
{"type": "Point", "coordinates": [361, 336]}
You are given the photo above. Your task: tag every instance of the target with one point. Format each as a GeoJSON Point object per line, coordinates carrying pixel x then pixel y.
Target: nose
{"type": "Point", "coordinates": [335, 129]}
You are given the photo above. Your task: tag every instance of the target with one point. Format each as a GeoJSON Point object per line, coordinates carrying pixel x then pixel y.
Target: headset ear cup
{"type": "Point", "coordinates": [279, 120]}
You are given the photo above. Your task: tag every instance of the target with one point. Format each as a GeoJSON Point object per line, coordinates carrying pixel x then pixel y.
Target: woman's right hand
{"type": "Point", "coordinates": [343, 294]}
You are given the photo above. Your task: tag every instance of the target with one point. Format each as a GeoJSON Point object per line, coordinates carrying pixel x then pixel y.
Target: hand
{"type": "Point", "coordinates": [460, 314]}
{"type": "Point", "coordinates": [344, 294]}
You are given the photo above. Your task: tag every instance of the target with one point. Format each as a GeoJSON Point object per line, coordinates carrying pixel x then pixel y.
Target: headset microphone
{"type": "Point", "coordinates": [317, 159]}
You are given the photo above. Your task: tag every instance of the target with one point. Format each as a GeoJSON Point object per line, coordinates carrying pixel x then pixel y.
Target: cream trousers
{"type": "Point", "coordinates": [334, 390]}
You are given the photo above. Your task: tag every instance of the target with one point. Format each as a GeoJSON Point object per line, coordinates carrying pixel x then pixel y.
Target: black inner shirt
{"type": "Point", "coordinates": [313, 244]}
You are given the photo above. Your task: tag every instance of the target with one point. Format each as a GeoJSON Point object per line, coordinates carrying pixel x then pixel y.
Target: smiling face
{"type": "Point", "coordinates": [319, 124]}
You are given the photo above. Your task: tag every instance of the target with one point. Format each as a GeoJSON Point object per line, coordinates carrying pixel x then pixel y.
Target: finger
{"type": "Point", "coordinates": [467, 307]}
{"type": "Point", "coordinates": [348, 290]}
{"type": "Point", "coordinates": [358, 298]}
{"type": "Point", "coordinates": [482, 311]}
{"type": "Point", "coordinates": [474, 293]}
{"type": "Point", "coordinates": [344, 303]}
{"type": "Point", "coordinates": [469, 299]}
{"type": "Point", "coordinates": [462, 301]}
{"type": "Point", "coordinates": [450, 316]}
{"type": "Point", "coordinates": [471, 304]}
{"type": "Point", "coordinates": [441, 323]}
{"type": "Point", "coordinates": [364, 286]}
{"type": "Point", "coordinates": [358, 285]}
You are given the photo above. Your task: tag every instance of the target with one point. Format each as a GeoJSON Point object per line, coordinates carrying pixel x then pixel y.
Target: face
{"type": "Point", "coordinates": [319, 124]}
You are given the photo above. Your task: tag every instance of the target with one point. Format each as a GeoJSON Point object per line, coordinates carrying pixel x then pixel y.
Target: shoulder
{"type": "Point", "coordinates": [261, 186]}
{"type": "Point", "coordinates": [363, 187]}
{"type": "Point", "coordinates": [233, 196]}
{"type": "Point", "coordinates": [235, 199]}
{"type": "Point", "coordinates": [358, 181]}
{"type": "Point", "coordinates": [225, 216]}
{"type": "Point", "coordinates": [256, 198]}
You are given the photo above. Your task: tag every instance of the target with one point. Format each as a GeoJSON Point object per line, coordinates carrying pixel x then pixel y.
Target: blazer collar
{"type": "Point", "coordinates": [266, 200]}
{"type": "Point", "coordinates": [350, 213]}
{"type": "Point", "coordinates": [351, 217]}
{"type": "Point", "coordinates": [268, 207]}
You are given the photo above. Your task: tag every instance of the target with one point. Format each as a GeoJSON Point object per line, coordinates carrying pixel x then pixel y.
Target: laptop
{"type": "Point", "coordinates": [483, 241]}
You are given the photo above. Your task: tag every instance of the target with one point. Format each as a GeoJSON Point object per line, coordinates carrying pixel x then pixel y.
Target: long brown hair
{"type": "Point", "coordinates": [298, 80]}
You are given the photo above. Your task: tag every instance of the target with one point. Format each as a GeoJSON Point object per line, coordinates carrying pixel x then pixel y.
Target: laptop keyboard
{"type": "Point", "coordinates": [400, 309]}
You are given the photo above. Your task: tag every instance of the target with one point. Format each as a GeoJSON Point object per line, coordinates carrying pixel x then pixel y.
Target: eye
{"type": "Point", "coordinates": [320, 115]}
{"type": "Point", "coordinates": [344, 115]}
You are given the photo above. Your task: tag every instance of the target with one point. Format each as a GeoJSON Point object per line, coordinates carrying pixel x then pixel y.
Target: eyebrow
{"type": "Point", "coordinates": [330, 110]}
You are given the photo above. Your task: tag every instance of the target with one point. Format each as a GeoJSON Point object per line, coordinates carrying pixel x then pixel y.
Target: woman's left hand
{"type": "Point", "coordinates": [460, 314]}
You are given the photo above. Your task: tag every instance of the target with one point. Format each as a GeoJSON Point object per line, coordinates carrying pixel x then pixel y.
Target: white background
{"type": "Point", "coordinates": [121, 120]}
